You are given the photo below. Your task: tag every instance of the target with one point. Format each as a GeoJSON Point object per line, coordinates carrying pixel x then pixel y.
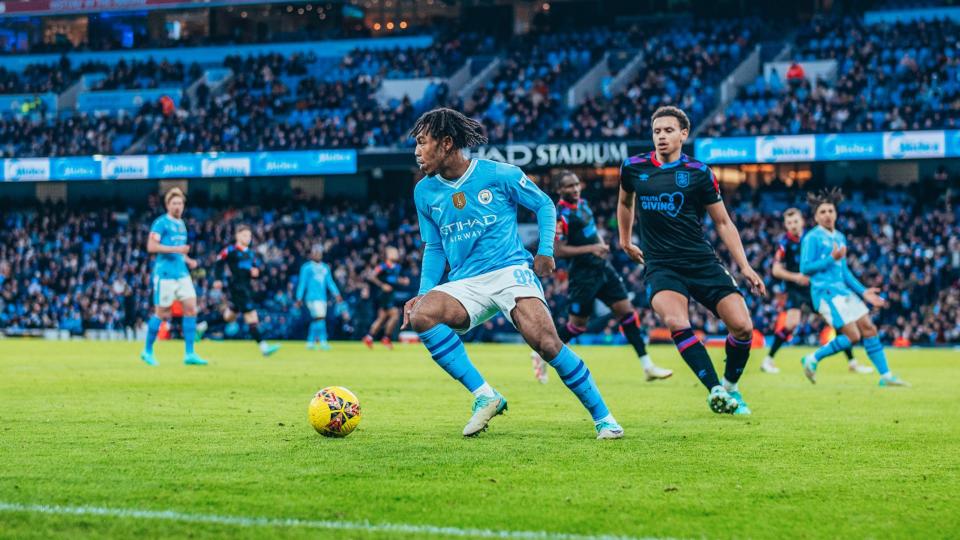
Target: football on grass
{"type": "Point", "coordinates": [334, 412]}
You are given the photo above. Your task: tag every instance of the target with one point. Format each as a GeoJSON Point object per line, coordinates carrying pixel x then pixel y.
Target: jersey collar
{"type": "Point", "coordinates": [656, 162]}
{"type": "Point", "coordinates": [459, 181]}
{"type": "Point", "coordinates": [792, 237]}
{"type": "Point", "coordinates": [572, 206]}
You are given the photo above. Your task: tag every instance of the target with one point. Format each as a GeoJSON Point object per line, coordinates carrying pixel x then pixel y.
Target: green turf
{"type": "Point", "coordinates": [87, 424]}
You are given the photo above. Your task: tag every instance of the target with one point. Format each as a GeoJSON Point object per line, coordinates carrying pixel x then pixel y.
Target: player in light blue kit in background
{"type": "Point", "coordinates": [836, 292]}
{"type": "Point", "coordinates": [315, 281]}
{"type": "Point", "coordinates": [467, 210]}
{"type": "Point", "coordinates": [171, 277]}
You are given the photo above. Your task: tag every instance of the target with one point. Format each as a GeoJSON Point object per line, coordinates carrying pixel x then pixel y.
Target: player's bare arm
{"type": "Point", "coordinates": [563, 250]}
{"type": "Point", "coordinates": [780, 272]}
{"type": "Point", "coordinates": [625, 213]}
{"type": "Point", "coordinates": [731, 238]}
{"type": "Point", "coordinates": [154, 246]}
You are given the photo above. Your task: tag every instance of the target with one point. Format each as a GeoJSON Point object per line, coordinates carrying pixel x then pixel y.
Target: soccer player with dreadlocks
{"type": "Point", "coordinates": [836, 293]}
{"type": "Point", "coordinates": [467, 210]}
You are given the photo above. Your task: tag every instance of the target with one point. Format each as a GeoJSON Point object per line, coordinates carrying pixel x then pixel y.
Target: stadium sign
{"type": "Point", "coordinates": [208, 165]}
{"type": "Point", "coordinates": [829, 147]}
{"type": "Point", "coordinates": [556, 154]}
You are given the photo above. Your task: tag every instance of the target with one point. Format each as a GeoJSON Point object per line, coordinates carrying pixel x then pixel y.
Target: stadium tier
{"type": "Point", "coordinates": [846, 75]}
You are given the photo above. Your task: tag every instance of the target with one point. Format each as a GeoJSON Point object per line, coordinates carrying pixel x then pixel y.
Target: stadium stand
{"type": "Point", "coordinates": [72, 268]}
{"type": "Point", "coordinates": [679, 68]}
{"type": "Point", "coordinates": [903, 76]}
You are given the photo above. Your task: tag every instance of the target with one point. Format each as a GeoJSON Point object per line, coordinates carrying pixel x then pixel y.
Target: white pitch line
{"type": "Point", "coordinates": [240, 521]}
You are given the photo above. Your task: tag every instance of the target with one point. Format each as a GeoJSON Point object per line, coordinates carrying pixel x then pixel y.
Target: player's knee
{"type": "Point", "coordinates": [741, 329]}
{"type": "Point", "coordinates": [854, 336]}
{"type": "Point", "coordinates": [548, 346]}
{"type": "Point", "coordinates": [868, 329]}
{"type": "Point", "coordinates": [676, 322]}
{"type": "Point", "coordinates": [423, 319]}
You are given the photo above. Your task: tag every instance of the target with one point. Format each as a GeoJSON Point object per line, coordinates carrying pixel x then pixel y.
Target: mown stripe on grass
{"type": "Point", "coordinates": [241, 521]}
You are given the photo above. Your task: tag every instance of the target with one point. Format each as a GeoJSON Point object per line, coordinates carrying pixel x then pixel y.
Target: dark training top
{"type": "Point", "coordinates": [240, 261]}
{"type": "Point", "coordinates": [788, 253]}
{"type": "Point", "coordinates": [577, 227]}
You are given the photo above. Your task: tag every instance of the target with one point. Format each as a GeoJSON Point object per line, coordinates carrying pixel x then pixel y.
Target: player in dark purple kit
{"type": "Point", "coordinates": [592, 277]}
{"type": "Point", "coordinates": [670, 193]}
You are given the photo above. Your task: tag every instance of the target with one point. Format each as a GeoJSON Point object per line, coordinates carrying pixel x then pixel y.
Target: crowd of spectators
{"type": "Point", "coordinates": [80, 269]}
{"type": "Point", "coordinates": [889, 76]}
{"type": "Point", "coordinates": [680, 67]}
{"type": "Point", "coordinates": [526, 98]}
{"type": "Point", "coordinates": [35, 79]}
{"type": "Point", "coordinates": [82, 134]}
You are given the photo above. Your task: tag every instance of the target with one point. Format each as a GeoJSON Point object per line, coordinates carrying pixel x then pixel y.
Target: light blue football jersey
{"type": "Point", "coordinates": [828, 277]}
{"type": "Point", "coordinates": [172, 232]}
{"type": "Point", "coordinates": [314, 282]}
{"type": "Point", "coordinates": [474, 218]}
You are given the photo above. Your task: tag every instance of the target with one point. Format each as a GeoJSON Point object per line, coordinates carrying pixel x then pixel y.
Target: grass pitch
{"type": "Point", "coordinates": [92, 441]}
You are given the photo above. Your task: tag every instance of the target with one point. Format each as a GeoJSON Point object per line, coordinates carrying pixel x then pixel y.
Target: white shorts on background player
{"type": "Point", "coordinates": [317, 309]}
{"type": "Point", "coordinates": [485, 295]}
{"type": "Point", "coordinates": [842, 309]}
{"type": "Point", "coordinates": [167, 291]}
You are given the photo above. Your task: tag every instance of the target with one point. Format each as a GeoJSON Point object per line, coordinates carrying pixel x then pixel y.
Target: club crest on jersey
{"type": "Point", "coordinates": [485, 196]}
{"type": "Point", "coordinates": [459, 200]}
{"type": "Point", "coordinates": [682, 178]}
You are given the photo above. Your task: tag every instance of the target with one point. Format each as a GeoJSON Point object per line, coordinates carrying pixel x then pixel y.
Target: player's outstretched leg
{"type": "Point", "coordinates": [190, 357]}
{"type": "Point", "coordinates": [811, 361]}
{"type": "Point", "coordinates": [630, 326]}
{"type": "Point", "coordinates": [375, 328]}
{"type": "Point", "coordinates": [733, 311]}
{"type": "Point", "coordinates": [393, 317]}
{"type": "Point", "coordinates": [672, 308]}
{"type": "Point", "coordinates": [431, 319]}
{"type": "Point", "coordinates": [780, 337]}
{"type": "Point", "coordinates": [312, 335]}
{"type": "Point", "coordinates": [855, 366]}
{"type": "Point", "coordinates": [534, 323]}
{"type": "Point", "coordinates": [153, 328]}
{"type": "Point", "coordinates": [253, 323]}
{"type": "Point", "coordinates": [319, 329]}
{"type": "Point", "coordinates": [871, 342]}
{"type": "Point", "coordinates": [566, 332]}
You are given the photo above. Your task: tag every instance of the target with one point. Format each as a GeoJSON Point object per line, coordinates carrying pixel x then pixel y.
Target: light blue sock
{"type": "Point", "coordinates": [321, 330]}
{"type": "Point", "coordinates": [153, 326]}
{"type": "Point", "coordinates": [574, 373]}
{"type": "Point", "coordinates": [449, 353]}
{"type": "Point", "coordinates": [189, 333]}
{"type": "Point", "coordinates": [876, 354]}
{"type": "Point", "coordinates": [838, 344]}
{"type": "Point", "coordinates": [312, 332]}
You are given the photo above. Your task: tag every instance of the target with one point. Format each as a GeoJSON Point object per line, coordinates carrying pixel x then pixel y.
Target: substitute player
{"type": "Point", "coordinates": [467, 210]}
{"type": "Point", "coordinates": [315, 281]}
{"type": "Point", "coordinates": [592, 277]}
{"type": "Point", "coordinates": [242, 262]}
{"type": "Point", "coordinates": [670, 193]}
{"type": "Point", "coordinates": [171, 277]}
{"type": "Point", "coordinates": [786, 267]}
{"type": "Point", "coordinates": [386, 277]}
{"type": "Point", "coordinates": [836, 292]}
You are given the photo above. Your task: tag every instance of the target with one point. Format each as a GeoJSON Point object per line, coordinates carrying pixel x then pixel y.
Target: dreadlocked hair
{"type": "Point", "coordinates": [825, 196]}
{"type": "Point", "coordinates": [439, 123]}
